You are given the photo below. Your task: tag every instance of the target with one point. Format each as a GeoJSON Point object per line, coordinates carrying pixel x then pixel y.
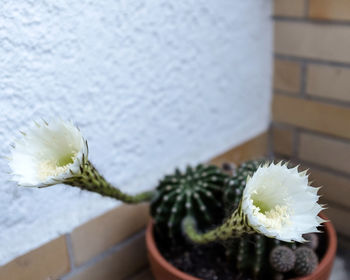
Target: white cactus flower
{"type": "Point", "coordinates": [48, 154]}
{"type": "Point", "coordinates": [279, 203]}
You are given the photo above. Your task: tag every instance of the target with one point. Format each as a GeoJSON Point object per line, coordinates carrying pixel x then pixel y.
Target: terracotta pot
{"type": "Point", "coordinates": [163, 270]}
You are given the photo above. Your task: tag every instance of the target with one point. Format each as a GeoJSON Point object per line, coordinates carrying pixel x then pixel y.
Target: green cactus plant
{"type": "Point", "coordinates": [253, 254]}
{"type": "Point", "coordinates": [239, 250]}
{"type": "Point", "coordinates": [248, 253]}
{"type": "Point", "coordinates": [235, 185]}
{"type": "Point", "coordinates": [196, 192]}
{"type": "Point", "coordinates": [306, 261]}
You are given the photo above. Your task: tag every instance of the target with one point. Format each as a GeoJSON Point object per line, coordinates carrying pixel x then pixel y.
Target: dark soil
{"type": "Point", "coordinates": [208, 262]}
{"type": "Point", "coordinates": [205, 262]}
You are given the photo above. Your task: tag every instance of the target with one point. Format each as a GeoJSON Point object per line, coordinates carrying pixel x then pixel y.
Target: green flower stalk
{"type": "Point", "coordinates": [91, 180]}
{"type": "Point", "coordinates": [277, 202]}
{"type": "Point", "coordinates": [235, 226]}
{"type": "Point", "coordinates": [56, 153]}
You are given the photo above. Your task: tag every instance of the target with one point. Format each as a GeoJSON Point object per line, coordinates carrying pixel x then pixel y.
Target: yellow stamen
{"type": "Point", "coordinates": [275, 218]}
{"type": "Point", "coordinates": [51, 168]}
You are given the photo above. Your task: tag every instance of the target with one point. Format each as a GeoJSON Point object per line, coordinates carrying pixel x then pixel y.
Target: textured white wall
{"type": "Point", "coordinates": [152, 85]}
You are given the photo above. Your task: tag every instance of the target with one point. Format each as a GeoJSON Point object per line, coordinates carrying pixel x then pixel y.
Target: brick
{"type": "Point", "coordinates": [309, 40]}
{"type": "Point", "coordinates": [282, 140]}
{"type": "Point", "coordinates": [287, 75]}
{"type": "Point", "coordinates": [339, 217]}
{"type": "Point", "coordinates": [254, 148]}
{"type": "Point", "coordinates": [325, 152]}
{"type": "Point", "coordinates": [294, 8]}
{"type": "Point", "coordinates": [124, 262]}
{"type": "Point", "coordinates": [48, 262]}
{"type": "Point", "coordinates": [317, 116]}
{"type": "Point", "coordinates": [329, 9]}
{"type": "Point", "coordinates": [335, 188]}
{"type": "Point", "coordinates": [103, 232]}
{"type": "Point", "coordinates": [328, 82]}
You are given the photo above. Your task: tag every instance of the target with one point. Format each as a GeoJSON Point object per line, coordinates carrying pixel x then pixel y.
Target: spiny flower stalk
{"type": "Point", "coordinates": [56, 153]}
{"type": "Point", "coordinates": [91, 180]}
{"type": "Point", "coordinates": [235, 226]}
{"type": "Point", "coordinates": [197, 192]}
{"type": "Point", "coordinates": [277, 202]}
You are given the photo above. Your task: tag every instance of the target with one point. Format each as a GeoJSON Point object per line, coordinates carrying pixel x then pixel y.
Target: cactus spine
{"type": "Point", "coordinates": [91, 180]}
{"type": "Point", "coordinates": [282, 259]}
{"type": "Point", "coordinates": [306, 261]}
{"type": "Point", "coordinates": [196, 192]}
{"type": "Point", "coordinates": [235, 185]}
{"type": "Point", "coordinates": [235, 226]}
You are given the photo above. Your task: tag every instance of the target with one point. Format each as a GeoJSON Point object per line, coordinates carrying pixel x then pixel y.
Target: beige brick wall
{"type": "Point", "coordinates": [311, 108]}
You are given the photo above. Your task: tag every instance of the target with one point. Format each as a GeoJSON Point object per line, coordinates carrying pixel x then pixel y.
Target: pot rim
{"type": "Point", "coordinates": [152, 247]}
{"type": "Point", "coordinates": [327, 258]}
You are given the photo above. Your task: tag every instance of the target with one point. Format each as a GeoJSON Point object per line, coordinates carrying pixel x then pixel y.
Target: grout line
{"type": "Point", "coordinates": [311, 20]}
{"type": "Point", "coordinates": [326, 101]}
{"type": "Point", "coordinates": [270, 142]}
{"type": "Point", "coordinates": [345, 104]}
{"type": "Point", "coordinates": [303, 78]}
{"type": "Point", "coordinates": [104, 255]}
{"type": "Point", "coordinates": [343, 140]}
{"type": "Point", "coordinates": [324, 135]}
{"type": "Point", "coordinates": [319, 167]}
{"type": "Point", "coordinates": [324, 168]}
{"type": "Point", "coordinates": [70, 251]}
{"type": "Point", "coordinates": [306, 8]}
{"type": "Point", "coordinates": [311, 60]}
{"type": "Point", "coordinates": [283, 125]}
{"type": "Point", "coordinates": [287, 93]}
{"type": "Point", "coordinates": [295, 143]}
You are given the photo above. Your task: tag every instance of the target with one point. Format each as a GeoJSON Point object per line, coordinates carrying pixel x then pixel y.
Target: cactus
{"type": "Point", "coordinates": [306, 261]}
{"type": "Point", "coordinates": [239, 253]}
{"type": "Point", "coordinates": [282, 259]}
{"type": "Point", "coordinates": [239, 250]}
{"type": "Point", "coordinates": [185, 195]}
{"type": "Point", "coordinates": [196, 192]}
{"type": "Point", "coordinates": [248, 253]}
{"type": "Point", "coordinates": [235, 185]}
